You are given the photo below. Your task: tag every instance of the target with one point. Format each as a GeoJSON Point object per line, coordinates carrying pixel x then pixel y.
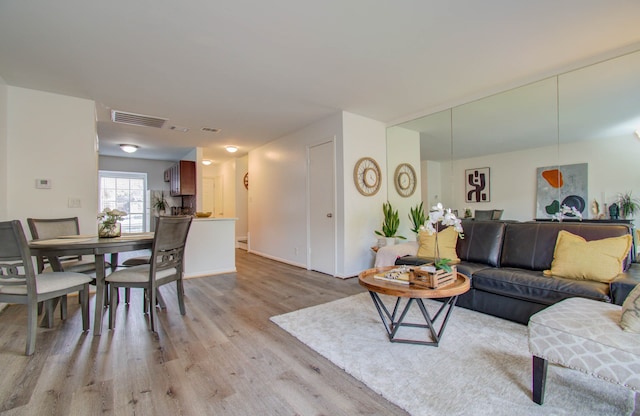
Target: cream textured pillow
{"type": "Point", "coordinates": [447, 241]}
{"type": "Point", "coordinates": [630, 318]}
{"type": "Point", "coordinates": [599, 260]}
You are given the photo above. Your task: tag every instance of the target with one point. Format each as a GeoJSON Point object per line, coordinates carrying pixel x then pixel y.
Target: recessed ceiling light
{"type": "Point", "coordinates": [129, 148]}
{"type": "Point", "coordinates": [206, 162]}
{"type": "Point", "coordinates": [637, 132]}
{"type": "Point", "coordinates": [231, 149]}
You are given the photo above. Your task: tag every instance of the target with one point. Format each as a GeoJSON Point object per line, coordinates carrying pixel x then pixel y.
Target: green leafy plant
{"type": "Point", "coordinates": [417, 217]}
{"type": "Point", "coordinates": [391, 222]}
{"type": "Point", "coordinates": [443, 264]}
{"type": "Point", "coordinates": [160, 203]}
{"type": "Point", "coordinates": [628, 205]}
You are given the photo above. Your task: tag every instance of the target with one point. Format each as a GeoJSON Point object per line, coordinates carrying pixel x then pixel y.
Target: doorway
{"type": "Point", "coordinates": [321, 212]}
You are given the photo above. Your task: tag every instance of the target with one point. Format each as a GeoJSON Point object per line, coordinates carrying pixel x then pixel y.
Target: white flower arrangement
{"type": "Point", "coordinates": [109, 219]}
{"type": "Point", "coordinates": [566, 212]}
{"type": "Point", "coordinates": [439, 215]}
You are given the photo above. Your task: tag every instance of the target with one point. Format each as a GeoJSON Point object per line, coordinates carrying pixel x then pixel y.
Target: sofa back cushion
{"type": "Point", "coordinates": [531, 245]}
{"type": "Point", "coordinates": [482, 242]}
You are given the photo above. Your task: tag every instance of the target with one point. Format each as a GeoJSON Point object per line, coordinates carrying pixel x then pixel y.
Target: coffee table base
{"type": "Point", "coordinates": [394, 321]}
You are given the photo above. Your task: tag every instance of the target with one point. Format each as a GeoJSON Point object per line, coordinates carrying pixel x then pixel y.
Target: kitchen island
{"type": "Point", "coordinates": [210, 247]}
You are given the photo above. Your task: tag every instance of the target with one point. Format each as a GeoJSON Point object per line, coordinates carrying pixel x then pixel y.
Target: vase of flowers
{"type": "Point", "coordinates": [109, 225]}
{"type": "Point", "coordinates": [438, 215]}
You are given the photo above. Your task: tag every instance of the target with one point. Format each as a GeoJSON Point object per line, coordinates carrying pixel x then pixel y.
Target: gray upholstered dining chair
{"type": "Point", "coordinates": [166, 266]}
{"type": "Point", "coordinates": [45, 228]}
{"type": "Point", "coordinates": [20, 284]}
{"type": "Point", "coordinates": [488, 214]}
{"type": "Point", "coordinates": [56, 227]}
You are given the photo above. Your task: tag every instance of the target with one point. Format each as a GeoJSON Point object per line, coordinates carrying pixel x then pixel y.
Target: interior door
{"type": "Point", "coordinates": [322, 232]}
{"type": "Point", "coordinates": [207, 194]}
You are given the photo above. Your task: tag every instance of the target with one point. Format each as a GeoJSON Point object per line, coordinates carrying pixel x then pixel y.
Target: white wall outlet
{"type": "Point", "coordinates": [74, 203]}
{"type": "Point", "coordinates": [295, 251]}
{"type": "Point", "coordinates": [43, 183]}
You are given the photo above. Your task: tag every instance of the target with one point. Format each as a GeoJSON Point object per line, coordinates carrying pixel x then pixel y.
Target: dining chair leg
{"type": "Point", "coordinates": [180, 290]}
{"type": "Point", "coordinates": [112, 306]}
{"type": "Point", "coordinates": [152, 309]}
{"type": "Point", "coordinates": [63, 307]}
{"type": "Point", "coordinates": [32, 324]}
{"type": "Point", "coordinates": [48, 311]}
{"type": "Point", "coordinates": [127, 295]}
{"type": "Point", "coordinates": [84, 304]}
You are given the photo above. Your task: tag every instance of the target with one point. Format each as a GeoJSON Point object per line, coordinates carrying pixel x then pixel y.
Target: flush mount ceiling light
{"type": "Point", "coordinates": [206, 162]}
{"type": "Point", "coordinates": [129, 148]}
{"type": "Point", "coordinates": [231, 149]}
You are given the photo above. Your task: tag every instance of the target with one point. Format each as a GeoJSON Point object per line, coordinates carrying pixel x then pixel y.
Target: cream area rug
{"type": "Point", "coordinates": [481, 367]}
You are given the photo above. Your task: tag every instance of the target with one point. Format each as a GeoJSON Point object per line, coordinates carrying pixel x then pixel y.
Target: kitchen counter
{"type": "Point", "coordinates": [210, 247]}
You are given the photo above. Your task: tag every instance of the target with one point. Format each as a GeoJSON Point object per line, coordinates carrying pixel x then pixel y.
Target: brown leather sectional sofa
{"type": "Point", "coordinates": [505, 261]}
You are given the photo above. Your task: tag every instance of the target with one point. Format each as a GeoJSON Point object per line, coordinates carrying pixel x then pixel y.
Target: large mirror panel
{"type": "Point", "coordinates": [523, 139]}
{"type": "Point", "coordinates": [599, 112]}
{"type": "Point", "coordinates": [498, 144]}
{"type": "Point", "coordinates": [425, 143]}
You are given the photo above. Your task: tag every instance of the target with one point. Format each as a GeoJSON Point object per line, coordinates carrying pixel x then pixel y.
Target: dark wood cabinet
{"type": "Point", "coordinates": [182, 178]}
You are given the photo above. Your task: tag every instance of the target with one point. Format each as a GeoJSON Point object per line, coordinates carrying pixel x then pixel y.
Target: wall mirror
{"type": "Point", "coordinates": [583, 117]}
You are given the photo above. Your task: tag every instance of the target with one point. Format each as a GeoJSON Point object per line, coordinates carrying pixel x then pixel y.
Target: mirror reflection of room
{"type": "Point", "coordinates": [564, 140]}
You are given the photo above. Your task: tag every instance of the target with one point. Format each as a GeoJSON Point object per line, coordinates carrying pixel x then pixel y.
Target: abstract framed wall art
{"type": "Point", "coordinates": [561, 185]}
{"type": "Point", "coordinates": [477, 185]}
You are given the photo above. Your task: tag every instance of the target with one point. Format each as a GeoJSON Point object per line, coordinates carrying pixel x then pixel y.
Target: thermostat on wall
{"type": "Point", "coordinates": [43, 184]}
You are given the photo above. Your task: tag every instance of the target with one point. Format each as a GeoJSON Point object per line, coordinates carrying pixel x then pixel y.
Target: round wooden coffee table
{"type": "Point", "coordinates": [393, 321]}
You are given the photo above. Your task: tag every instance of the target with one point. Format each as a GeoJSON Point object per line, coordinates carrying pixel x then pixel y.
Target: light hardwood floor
{"type": "Point", "coordinates": [224, 357]}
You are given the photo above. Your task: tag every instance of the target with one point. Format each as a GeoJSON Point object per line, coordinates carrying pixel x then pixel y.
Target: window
{"type": "Point", "coordinates": [125, 191]}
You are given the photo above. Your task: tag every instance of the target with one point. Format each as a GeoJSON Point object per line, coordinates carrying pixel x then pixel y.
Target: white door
{"type": "Point", "coordinates": [322, 233]}
{"type": "Point", "coordinates": [207, 194]}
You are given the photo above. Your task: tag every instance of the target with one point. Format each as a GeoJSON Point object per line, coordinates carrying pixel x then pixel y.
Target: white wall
{"type": "Point", "coordinates": [361, 215]}
{"type": "Point", "coordinates": [277, 192]}
{"type": "Point", "coordinates": [53, 137]}
{"type": "Point", "coordinates": [404, 147]}
{"type": "Point", "coordinates": [4, 92]}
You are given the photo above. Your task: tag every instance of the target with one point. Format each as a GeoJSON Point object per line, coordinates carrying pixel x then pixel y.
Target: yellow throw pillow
{"type": "Point", "coordinates": [599, 260]}
{"type": "Point", "coordinates": [447, 240]}
{"type": "Point", "coordinates": [630, 317]}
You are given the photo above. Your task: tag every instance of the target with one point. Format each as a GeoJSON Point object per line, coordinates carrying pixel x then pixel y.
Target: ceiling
{"type": "Point", "coordinates": [259, 70]}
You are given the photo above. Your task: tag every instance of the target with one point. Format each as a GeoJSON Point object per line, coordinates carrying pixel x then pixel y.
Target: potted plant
{"type": "Point", "coordinates": [417, 218]}
{"type": "Point", "coordinates": [628, 205]}
{"type": "Point", "coordinates": [160, 203]}
{"type": "Point", "coordinates": [390, 224]}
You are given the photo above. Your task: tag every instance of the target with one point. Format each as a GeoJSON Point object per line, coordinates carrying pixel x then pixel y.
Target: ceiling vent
{"type": "Point", "coordinates": [137, 119]}
{"type": "Point", "coordinates": [210, 130]}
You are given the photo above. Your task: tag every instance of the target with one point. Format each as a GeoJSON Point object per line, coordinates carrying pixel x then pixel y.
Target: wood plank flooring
{"type": "Point", "coordinates": [224, 357]}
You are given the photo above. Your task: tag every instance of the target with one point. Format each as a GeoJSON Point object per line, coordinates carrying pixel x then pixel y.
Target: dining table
{"type": "Point", "coordinates": [72, 245]}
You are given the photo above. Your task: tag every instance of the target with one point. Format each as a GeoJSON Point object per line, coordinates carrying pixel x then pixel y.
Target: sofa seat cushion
{"type": "Point", "coordinates": [468, 268]}
{"type": "Point", "coordinates": [533, 286]}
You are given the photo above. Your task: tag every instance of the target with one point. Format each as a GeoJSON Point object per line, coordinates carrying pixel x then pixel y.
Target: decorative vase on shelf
{"type": "Point", "coordinates": [109, 230]}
